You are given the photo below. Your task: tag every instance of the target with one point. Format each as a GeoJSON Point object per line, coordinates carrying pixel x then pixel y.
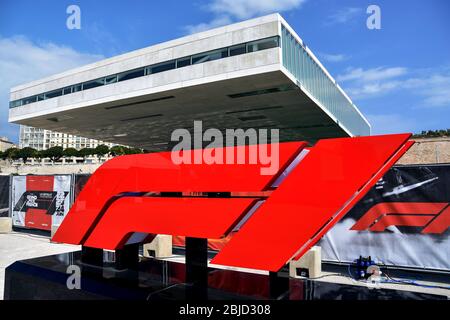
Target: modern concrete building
{"type": "Point", "coordinates": [253, 74]}
{"type": "Point", "coordinates": [41, 139]}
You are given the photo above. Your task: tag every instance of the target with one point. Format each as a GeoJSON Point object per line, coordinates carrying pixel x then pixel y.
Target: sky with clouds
{"type": "Point", "coordinates": [399, 76]}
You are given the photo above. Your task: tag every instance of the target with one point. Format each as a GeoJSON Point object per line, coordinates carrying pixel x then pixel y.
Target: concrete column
{"type": "Point", "coordinates": [5, 224]}
{"type": "Point", "coordinates": [311, 260]}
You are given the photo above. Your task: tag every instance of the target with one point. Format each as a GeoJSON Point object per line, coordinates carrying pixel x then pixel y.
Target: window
{"type": "Point", "coordinates": [236, 50]}
{"type": "Point", "coordinates": [76, 88]}
{"type": "Point", "coordinates": [160, 67]}
{"type": "Point", "coordinates": [40, 97]}
{"type": "Point", "coordinates": [183, 62]}
{"type": "Point", "coordinates": [130, 74]}
{"type": "Point", "coordinates": [53, 94]}
{"type": "Point", "coordinates": [67, 90]}
{"type": "Point", "coordinates": [210, 56]}
{"type": "Point", "coordinates": [93, 83]}
{"type": "Point", "coordinates": [111, 79]}
{"type": "Point", "coordinates": [262, 44]}
{"type": "Point", "coordinates": [15, 103]}
{"type": "Point", "coordinates": [29, 100]}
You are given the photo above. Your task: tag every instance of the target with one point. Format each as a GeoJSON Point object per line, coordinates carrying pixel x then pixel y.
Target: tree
{"type": "Point", "coordinates": [117, 151]}
{"type": "Point", "coordinates": [26, 153]}
{"type": "Point", "coordinates": [86, 152]}
{"type": "Point", "coordinates": [101, 150]}
{"type": "Point", "coordinates": [54, 153]}
{"type": "Point", "coordinates": [132, 150]}
{"type": "Point", "coordinates": [70, 152]}
{"type": "Point", "coordinates": [11, 154]}
{"type": "Point", "coordinates": [433, 133]}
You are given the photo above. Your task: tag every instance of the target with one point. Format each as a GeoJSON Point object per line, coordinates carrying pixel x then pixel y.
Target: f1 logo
{"type": "Point", "coordinates": [434, 217]}
{"type": "Point", "coordinates": [280, 216]}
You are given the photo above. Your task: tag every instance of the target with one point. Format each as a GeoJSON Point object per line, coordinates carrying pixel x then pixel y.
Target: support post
{"type": "Point", "coordinates": [197, 267]}
{"type": "Point", "coordinates": [92, 256]}
{"type": "Point", "coordinates": [127, 257]}
{"type": "Point", "coordinates": [278, 284]}
{"type": "Point", "coordinates": [92, 260]}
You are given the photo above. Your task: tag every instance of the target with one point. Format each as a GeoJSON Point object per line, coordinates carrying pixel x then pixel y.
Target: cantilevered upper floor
{"type": "Point", "coordinates": [253, 74]}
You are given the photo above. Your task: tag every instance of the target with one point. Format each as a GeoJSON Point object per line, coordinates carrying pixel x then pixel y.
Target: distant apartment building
{"type": "Point", "coordinates": [41, 139]}
{"type": "Point", "coordinates": [5, 144]}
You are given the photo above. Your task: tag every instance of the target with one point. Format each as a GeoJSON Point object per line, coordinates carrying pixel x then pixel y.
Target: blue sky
{"type": "Point", "coordinates": [398, 76]}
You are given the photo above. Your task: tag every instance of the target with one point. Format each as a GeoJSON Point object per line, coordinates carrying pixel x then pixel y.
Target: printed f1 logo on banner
{"type": "Point", "coordinates": [434, 217]}
{"type": "Point", "coordinates": [280, 215]}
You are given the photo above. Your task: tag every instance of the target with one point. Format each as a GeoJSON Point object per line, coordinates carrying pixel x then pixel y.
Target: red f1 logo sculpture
{"type": "Point", "coordinates": [148, 194]}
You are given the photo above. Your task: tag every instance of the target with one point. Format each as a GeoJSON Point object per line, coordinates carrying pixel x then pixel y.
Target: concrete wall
{"type": "Point", "coordinates": [201, 42]}
{"type": "Point", "coordinates": [6, 168]}
{"type": "Point", "coordinates": [428, 151]}
{"type": "Point", "coordinates": [222, 69]}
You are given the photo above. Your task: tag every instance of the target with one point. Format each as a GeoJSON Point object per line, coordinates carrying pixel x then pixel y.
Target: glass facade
{"type": "Point", "coordinates": [313, 78]}
{"type": "Point", "coordinates": [210, 56]}
{"type": "Point", "coordinates": [247, 47]}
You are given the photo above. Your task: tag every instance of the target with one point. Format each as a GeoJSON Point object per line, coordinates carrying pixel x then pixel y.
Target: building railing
{"type": "Point", "coordinates": [313, 78]}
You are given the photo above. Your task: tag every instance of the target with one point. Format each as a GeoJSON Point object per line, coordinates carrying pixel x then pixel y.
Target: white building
{"type": "Point", "coordinates": [41, 139]}
{"type": "Point", "coordinates": [254, 74]}
{"type": "Point", "coordinates": [5, 144]}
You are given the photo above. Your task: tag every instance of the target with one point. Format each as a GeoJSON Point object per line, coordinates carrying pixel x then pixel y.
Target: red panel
{"type": "Point", "coordinates": [440, 224]}
{"type": "Point", "coordinates": [381, 209]}
{"type": "Point", "coordinates": [307, 200]}
{"type": "Point", "coordinates": [193, 217]}
{"type": "Point", "coordinates": [213, 244]}
{"type": "Point", "coordinates": [255, 285]}
{"type": "Point", "coordinates": [38, 218]}
{"type": "Point", "coordinates": [40, 183]}
{"type": "Point", "coordinates": [157, 172]}
{"type": "Point", "coordinates": [401, 220]}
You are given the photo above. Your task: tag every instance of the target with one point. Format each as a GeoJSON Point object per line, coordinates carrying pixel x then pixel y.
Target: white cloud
{"type": "Point", "coordinates": [369, 75]}
{"type": "Point", "coordinates": [432, 86]}
{"type": "Point", "coordinates": [367, 90]}
{"type": "Point", "coordinates": [22, 60]}
{"type": "Point", "coordinates": [436, 90]}
{"type": "Point", "coordinates": [244, 9]}
{"type": "Point", "coordinates": [344, 15]}
{"type": "Point", "coordinates": [334, 57]}
{"type": "Point", "coordinates": [217, 22]}
{"type": "Point", "coordinates": [227, 11]}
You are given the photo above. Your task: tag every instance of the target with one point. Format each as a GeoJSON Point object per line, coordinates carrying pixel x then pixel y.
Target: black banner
{"type": "Point", "coordinates": [403, 221]}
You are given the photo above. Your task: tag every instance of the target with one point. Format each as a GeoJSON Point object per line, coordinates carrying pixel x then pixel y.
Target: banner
{"type": "Point", "coordinates": [40, 202]}
{"type": "Point", "coordinates": [4, 196]}
{"type": "Point", "coordinates": [402, 221]}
